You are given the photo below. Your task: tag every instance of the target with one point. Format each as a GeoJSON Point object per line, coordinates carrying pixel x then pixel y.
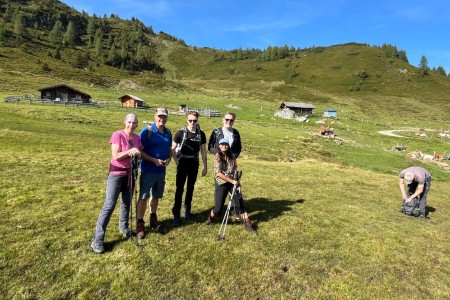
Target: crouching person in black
{"type": "Point", "coordinates": [224, 174]}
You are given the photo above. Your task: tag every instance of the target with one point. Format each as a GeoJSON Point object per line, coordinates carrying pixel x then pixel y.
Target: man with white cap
{"type": "Point", "coordinates": [419, 182]}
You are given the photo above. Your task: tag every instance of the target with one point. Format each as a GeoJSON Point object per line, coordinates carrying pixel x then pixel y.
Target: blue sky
{"type": "Point", "coordinates": [418, 27]}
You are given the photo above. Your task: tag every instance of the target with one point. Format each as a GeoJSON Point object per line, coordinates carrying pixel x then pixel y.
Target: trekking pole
{"type": "Point", "coordinates": [132, 179]}
{"type": "Point", "coordinates": [225, 218]}
{"type": "Point", "coordinates": [227, 212]}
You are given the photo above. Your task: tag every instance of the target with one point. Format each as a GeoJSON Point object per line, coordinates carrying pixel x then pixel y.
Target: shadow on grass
{"type": "Point", "coordinates": [429, 209]}
{"type": "Point", "coordinates": [267, 209]}
{"type": "Point", "coordinates": [260, 210]}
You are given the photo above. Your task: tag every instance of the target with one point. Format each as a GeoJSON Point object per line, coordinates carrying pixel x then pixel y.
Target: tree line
{"type": "Point", "coordinates": [118, 43]}
{"type": "Point", "coordinates": [125, 44]}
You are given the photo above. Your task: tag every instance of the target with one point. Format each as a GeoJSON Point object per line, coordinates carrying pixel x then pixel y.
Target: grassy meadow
{"type": "Point", "coordinates": [327, 213]}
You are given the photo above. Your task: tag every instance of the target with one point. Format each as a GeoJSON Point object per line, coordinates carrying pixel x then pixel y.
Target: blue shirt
{"type": "Point", "coordinates": [158, 146]}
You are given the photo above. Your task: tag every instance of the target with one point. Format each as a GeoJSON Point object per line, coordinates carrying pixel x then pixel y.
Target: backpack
{"type": "Point", "coordinates": [183, 141]}
{"type": "Point", "coordinates": [411, 208]}
{"type": "Point", "coordinates": [218, 133]}
{"type": "Point", "coordinates": [150, 131]}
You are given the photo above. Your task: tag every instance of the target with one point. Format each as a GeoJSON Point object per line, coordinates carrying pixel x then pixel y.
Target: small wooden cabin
{"type": "Point", "coordinates": [298, 108]}
{"type": "Point", "coordinates": [131, 101]}
{"type": "Point", "coordinates": [64, 93]}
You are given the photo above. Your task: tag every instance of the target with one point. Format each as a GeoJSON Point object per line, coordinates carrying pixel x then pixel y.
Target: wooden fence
{"type": "Point", "coordinates": [31, 99]}
{"type": "Point", "coordinates": [208, 112]}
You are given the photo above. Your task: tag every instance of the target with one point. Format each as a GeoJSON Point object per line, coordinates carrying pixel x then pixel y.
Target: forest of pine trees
{"type": "Point", "coordinates": [95, 38]}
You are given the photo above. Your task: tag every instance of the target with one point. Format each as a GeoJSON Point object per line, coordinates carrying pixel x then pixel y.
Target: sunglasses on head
{"type": "Point", "coordinates": [192, 121]}
{"type": "Point", "coordinates": [229, 120]}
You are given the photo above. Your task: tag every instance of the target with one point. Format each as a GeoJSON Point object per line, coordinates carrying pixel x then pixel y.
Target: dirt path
{"type": "Point", "coordinates": [391, 133]}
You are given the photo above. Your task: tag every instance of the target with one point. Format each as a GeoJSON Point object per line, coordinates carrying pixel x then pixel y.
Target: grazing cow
{"type": "Point", "coordinates": [323, 130]}
{"type": "Point", "coordinates": [414, 154]}
{"type": "Point", "coordinates": [438, 156]}
{"type": "Point", "coordinates": [427, 157]}
{"type": "Point", "coordinates": [326, 130]}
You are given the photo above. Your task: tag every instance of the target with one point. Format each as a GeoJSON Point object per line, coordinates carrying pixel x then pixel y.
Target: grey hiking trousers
{"type": "Point", "coordinates": [423, 196]}
{"type": "Point", "coordinates": [115, 185]}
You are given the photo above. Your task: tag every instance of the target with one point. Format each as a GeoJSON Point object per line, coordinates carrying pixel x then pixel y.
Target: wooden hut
{"type": "Point", "coordinates": [298, 108]}
{"type": "Point", "coordinates": [131, 101]}
{"type": "Point", "coordinates": [64, 93]}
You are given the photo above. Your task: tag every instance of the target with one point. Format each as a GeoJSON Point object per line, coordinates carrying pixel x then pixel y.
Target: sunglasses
{"type": "Point", "coordinates": [192, 121]}
{"type": "Point", "coordinates": [130, 142]}
{"type": "Point", "coordinates": [229, 120]}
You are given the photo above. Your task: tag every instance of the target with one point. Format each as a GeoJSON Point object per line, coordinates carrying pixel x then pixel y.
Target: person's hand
{"type": "Point", "coordinates": [160, 163]}
{"type": "Point", "coordinates": [134, 152]}
{"type": "Point", "coordinates": [204, 171]}
{"type": "Point", "coordinates": [409, 199]}
{"type": "Point", "coordinates": [404, 197]}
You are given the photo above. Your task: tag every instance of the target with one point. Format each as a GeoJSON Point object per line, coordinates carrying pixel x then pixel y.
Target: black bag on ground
{"type": "Point", "coordinates": [411, 208]}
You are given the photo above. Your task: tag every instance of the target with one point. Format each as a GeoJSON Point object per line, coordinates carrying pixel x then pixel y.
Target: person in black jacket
{"type": "Point", "coordinates": [228, 132]}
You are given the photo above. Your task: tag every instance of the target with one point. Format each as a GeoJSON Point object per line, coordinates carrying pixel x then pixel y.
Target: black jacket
{"type": "Point", "coordinates": [217, 135]}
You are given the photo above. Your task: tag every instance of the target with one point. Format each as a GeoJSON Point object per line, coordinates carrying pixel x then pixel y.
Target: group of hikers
{"type": "Point", "coordinates": [154, 148]}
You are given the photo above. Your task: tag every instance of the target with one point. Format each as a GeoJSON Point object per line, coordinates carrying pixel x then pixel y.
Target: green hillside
{"type": "Point", "coordinates": [326, 209]}
{"type": "Point", "coordinates": [367, 81]}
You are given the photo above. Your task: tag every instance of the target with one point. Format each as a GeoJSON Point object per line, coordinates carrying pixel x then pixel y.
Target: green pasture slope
{"type": "Point", "coordinates": [327, 213]}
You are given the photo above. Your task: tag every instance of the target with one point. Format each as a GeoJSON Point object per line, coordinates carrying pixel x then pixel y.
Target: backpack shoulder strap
{"type": "Point", "coordinates": [149, 131]}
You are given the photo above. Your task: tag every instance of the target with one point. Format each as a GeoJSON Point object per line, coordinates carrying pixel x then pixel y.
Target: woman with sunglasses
{"type": "Point", "coordinates": [125, 145]}
{"type": "Point", "coordinates": [186, 145]}
{"type": "Point", "coordinates": [225, 168]}
{"type": "Point", "coordinates": [226, 131]}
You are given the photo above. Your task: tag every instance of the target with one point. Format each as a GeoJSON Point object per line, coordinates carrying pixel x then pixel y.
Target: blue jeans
{"type": "Point", "coordinates": [114, 186]}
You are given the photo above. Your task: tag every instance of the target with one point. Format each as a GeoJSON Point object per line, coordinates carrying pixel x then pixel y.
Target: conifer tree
{"type": "Point", "coordinates": [56, 34]}
{"type": "Point", "coordinates": [2, 36]}
{"type": "Point", "coordinates": [91, 32]}
{"type": "Point", "coordinates": [69, 36]}
{"type": "Point", "coordinates": [98, 42]}
{"type": "Point", "coordinates": [19, 26]}
{"type": "Point", "coordinates": [423, 65]}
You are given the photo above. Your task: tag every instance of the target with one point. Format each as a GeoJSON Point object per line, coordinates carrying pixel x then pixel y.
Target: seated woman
{"type": "Point", "coordinates": [224, 174]}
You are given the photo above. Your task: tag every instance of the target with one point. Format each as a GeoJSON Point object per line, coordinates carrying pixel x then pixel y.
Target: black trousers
{"type": "Point", "coordinates": [220, 195]}
{"type": "Point", "coordinates": [187, 169]}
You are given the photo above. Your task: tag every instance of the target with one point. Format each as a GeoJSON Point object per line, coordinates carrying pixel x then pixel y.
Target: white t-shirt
{"type": "Point", "coordinates": [228, 134]}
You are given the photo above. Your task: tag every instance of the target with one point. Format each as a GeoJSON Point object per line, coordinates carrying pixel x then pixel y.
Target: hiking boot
{"type": "Point", "coordinates": [97, 247]}
{"type": "Point", "coordinates": [155, 224]}
{"type": "Point", "coordinates": [249, 226]}
{"type": "Point", "coordinates": [126, 232]}
{"type": "Point", "coordinates": [210, 220]}
{"type": "Point", "coordinates": [188, 216]}
{"type": "Point", "coordinates": [235, 216]}
{"type": "Point", "coordinates": [176, 221]}
{"type": "Point", "coordinates": [140, 230]}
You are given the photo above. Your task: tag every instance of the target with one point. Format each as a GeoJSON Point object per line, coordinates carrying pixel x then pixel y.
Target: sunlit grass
{"type": "Point", "coordinates": [328, 219]}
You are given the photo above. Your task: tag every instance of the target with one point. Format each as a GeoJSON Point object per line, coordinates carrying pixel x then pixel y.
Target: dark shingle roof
{"type": "Point", "coordinates": [298, 105]}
